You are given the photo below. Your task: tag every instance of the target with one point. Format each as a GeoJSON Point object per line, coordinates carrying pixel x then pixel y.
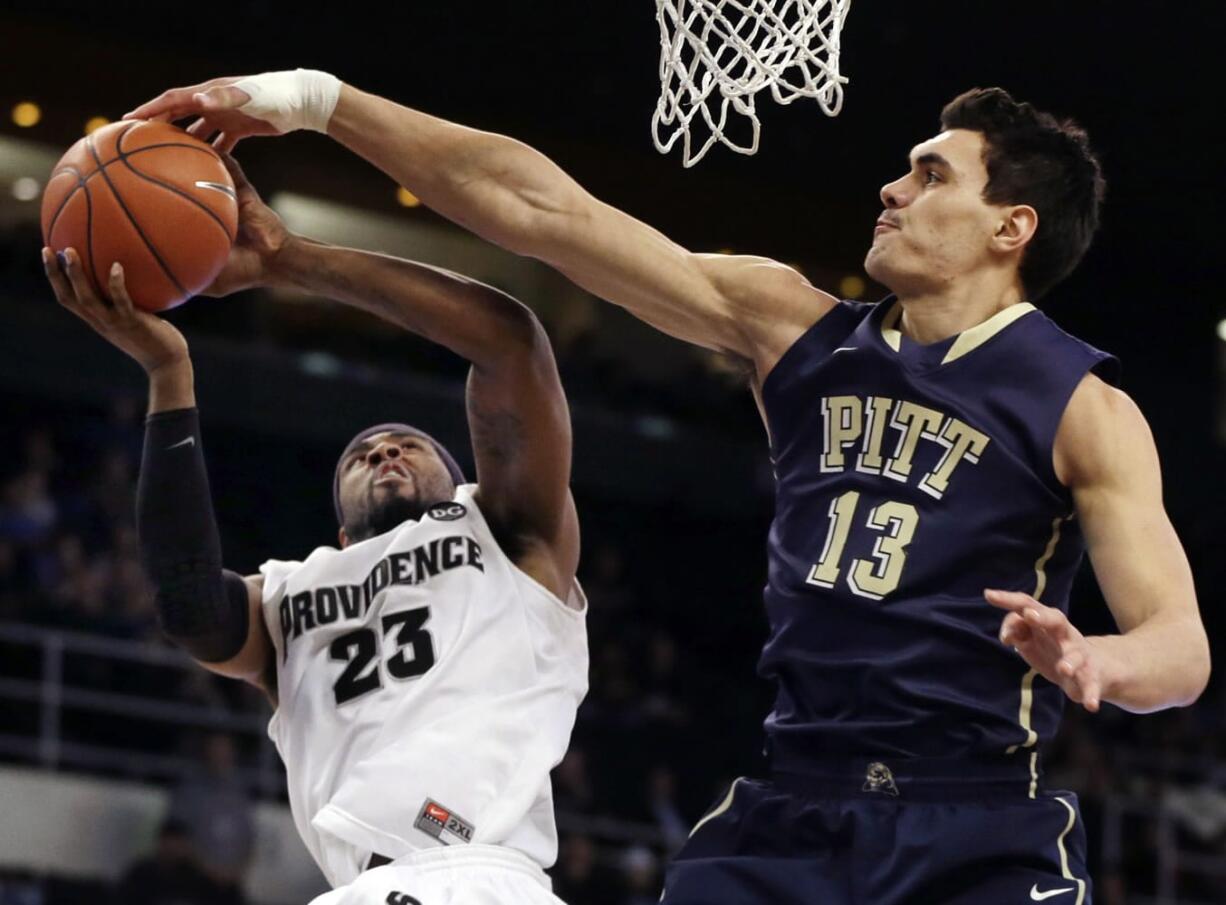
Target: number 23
{"type": "Point", "coordinates": [357, 649]}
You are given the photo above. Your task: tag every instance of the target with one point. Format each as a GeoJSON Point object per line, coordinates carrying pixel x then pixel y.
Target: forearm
{"type": "Point", "coordinates": [200, 606]}
{"type": "Point", "coordinates": [490, 184]}
{"type": "Point", "coordinates": [475, 321]}
{"type": "Point", "coordinates": [1163, 662]}
{"type": "Point", "coordinates": [171, 387]}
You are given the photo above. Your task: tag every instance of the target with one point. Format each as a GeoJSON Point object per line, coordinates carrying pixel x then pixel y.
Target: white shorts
{"type": "Point", "coordinates": [468, 875]}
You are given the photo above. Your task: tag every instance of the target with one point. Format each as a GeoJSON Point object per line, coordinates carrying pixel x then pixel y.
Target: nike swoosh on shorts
{"type": "Point", "coordinates": [1047, 894]}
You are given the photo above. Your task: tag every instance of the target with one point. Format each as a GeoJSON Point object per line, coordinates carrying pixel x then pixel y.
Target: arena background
{"type": "Point", "coordinates": [121, 769]}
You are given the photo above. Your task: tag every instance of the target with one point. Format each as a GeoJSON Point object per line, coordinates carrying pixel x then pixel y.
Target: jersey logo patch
{"type": "Point", "coordinates": [447, 512]}
{"type": "Point", "coordinates": [878, 778]}
{"type": "Point", "coordinates": [443, 824]}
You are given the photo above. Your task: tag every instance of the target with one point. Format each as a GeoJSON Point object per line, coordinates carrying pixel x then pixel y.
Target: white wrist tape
{"type": "Point", "coordinates": [301, 99]}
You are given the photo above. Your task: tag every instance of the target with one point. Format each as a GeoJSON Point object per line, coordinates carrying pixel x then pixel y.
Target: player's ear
{"type": "Point", "coordinates": [342, 538]}
{"type": "Point", "coordinates": [1017, 227]}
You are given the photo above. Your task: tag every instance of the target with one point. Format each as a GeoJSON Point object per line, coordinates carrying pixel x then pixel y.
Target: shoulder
{"type": "Point", "coordinates": [813, 345]}
{"type": "Point", "coordinates": [1101, 433]}
{"type": "Point", "coordinates": [1062, 350]}
{"type": "Point", "coordinates": [773, 304]}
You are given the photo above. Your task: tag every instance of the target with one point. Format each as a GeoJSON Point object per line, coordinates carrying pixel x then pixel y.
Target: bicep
{"type": "Point", "coordinates": [521, 434]}
{"type": "Point", "coordinates": [1108, 452]}
{"type": "Point", "coordinates": [740, 305]}
{"type": "Point", "coordinates": [254, 658]}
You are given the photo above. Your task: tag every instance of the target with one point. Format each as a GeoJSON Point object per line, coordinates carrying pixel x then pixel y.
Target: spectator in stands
{"type": "Point", "coordinates": [662, 805]}
{"type": "Point", "coordinates": [572, 786]}
{"type": "Point", "coordinates": [170, 876]}
{"type": "Point", "coordinates": [579, 878]}
{"type": "Point", "coordinates": [27, 512]}
{"type": "Point", "coordinates": [640, 875]}
{"type": "Point", "coordinates": [213, 805]}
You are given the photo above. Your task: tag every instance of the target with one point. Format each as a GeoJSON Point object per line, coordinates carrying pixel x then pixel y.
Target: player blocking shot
{"type": "Point", "coordinates": [425, 673]}
{"type": "Point", "coordinates": [944, 459]}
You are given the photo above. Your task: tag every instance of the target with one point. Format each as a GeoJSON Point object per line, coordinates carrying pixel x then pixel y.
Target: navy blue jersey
{"type": "Point", "coordinates": [909, 479]}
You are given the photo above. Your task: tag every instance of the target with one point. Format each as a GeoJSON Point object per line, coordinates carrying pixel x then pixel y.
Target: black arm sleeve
{"type": "Point", "coordinates": [201, 607]}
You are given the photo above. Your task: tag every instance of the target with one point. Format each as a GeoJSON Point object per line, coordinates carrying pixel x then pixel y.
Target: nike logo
{"type": "Point", "coordinates": [843, 349]}
{"type": "Point", "coordinates": [1037, 896]}
{"type": "Point", "coordinates": [190, 441]}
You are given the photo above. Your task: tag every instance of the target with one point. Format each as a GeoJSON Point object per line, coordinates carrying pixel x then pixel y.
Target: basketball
{"type": "Point", "coordinates": [153, 198]}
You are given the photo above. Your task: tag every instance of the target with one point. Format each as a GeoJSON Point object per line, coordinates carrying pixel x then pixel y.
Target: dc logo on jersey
{"type": "Point", "coordinates": [447, 512]}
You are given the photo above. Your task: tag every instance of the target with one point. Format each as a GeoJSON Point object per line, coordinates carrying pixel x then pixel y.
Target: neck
{"type": "Point", "coordinates": [929, 317]}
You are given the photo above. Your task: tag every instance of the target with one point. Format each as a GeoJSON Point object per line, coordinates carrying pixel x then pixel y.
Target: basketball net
{"type": "Point", "coordinates": [716, 55]}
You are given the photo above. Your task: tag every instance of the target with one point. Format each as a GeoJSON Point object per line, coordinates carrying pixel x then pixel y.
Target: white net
{"type": "Point", "coordinates": [716, 55]}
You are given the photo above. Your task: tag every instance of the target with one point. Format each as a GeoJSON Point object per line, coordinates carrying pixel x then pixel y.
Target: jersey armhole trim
{"type": "Point", "coordinates": [579, 614]}
{"type": "Point", "coordinates": [844, 305]}
{"type": "Point", "coordinates": [1106, 369]}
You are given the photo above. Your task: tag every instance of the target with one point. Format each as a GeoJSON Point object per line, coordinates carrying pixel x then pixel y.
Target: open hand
{"type": "Point", "coordinates": [1053, 647]}
{"type": "Point", "coordinates": [215, 103]}
{"type": "Point", "coordinates": [233, 108]}
{"type": "Point", "coordinates": [153, 342]}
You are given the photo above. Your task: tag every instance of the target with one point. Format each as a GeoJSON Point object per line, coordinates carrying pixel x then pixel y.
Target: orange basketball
{"type": "Point", "coordinates": [147, 195]}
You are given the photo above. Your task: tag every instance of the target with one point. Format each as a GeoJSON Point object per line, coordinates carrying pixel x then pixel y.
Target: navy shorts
{"type": "Point", "coordinates": [877, 834]}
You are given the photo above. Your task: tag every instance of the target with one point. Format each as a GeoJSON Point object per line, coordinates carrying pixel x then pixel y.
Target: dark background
{"type": "Point", "coordinates": [579, 81]}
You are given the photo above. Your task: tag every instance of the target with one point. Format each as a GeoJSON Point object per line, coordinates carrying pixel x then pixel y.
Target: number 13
{"type": "Point", "coordinates": [896, 522]}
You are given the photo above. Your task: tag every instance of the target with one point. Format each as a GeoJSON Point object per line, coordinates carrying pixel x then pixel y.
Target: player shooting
{"type": "Point", "coordinates": [425, 675]}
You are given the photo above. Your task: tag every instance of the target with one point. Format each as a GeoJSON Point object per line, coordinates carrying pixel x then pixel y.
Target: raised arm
{"type": "Point", "coordinates": [213, 614]}
{"type": "Point", "coordinates": [1160, 658]}
{"type": "Point", "coordinates": [514, 196]}
{"type": "Point", "coordinates": [517, 411]}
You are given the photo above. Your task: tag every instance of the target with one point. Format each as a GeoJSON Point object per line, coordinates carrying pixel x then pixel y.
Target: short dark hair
{"type": "Point", "coordinates": [1033, 158]}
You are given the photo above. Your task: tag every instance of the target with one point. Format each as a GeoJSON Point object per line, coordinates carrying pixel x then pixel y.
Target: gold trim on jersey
{"type": "Point", "coordinates": [968, 340]}
{"type": "Point", "coordinates": [1026, 699]}
{"type": "Point", "coordinates": [1064, 869]}
{"type": "Point", "coordinates": [1040, 565]}
{"type": "Point", "coordinates": [889, 327]}
{"type": "Point", "coordinates": [719, 808]}
{"type": "Point", "coordinates": [972, 339]}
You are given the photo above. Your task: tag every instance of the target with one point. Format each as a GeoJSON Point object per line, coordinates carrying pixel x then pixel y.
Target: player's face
{"type": "Point", "coordinates": [936, 227]}
{"type": "Point", "coordinates": [388, 479]}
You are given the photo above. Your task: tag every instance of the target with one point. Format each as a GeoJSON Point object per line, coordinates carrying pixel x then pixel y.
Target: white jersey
{"type": "Point", "coordinates": [426, 687]}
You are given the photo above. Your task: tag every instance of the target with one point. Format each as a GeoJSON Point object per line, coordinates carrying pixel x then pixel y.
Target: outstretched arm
{"type": "Point", "coordinates": [1106, 455]}
{"type": "Point", "coordinates": [512, 195]}
{"type": "Point", "coordinates": [517, 411]}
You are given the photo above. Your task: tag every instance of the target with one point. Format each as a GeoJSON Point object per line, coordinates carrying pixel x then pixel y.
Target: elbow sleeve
{"type": "Point", "coordinates": [201, 607]}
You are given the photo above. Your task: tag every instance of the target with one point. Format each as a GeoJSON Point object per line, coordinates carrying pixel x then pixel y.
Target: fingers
{"type": "Point", "coordinates": [1009, 600]}
{"type": "Point", "coordinates": [226, 142]}
{"type": "Point", "coordinates": [59, 283]}
{"type": "Point", "coordinates": [118, 291]}
{"type": "Point", "coordinates": [1081, 683]}
{"type": "Point", "coordinates": [1050, 621]}
{"type": "Point", "coordinates": [221, 97]}
{"type": "Point", "coordinates": [55, 266]}
{"type": "Point", "coordinates": [1014, 631]}
{"type": "Point", "coordinates": [175, 103]}
{"type": "Point", "coordinates": [75, 272]}
{"type": "Point", "coordinates": [234, 168]}
{"type": "Point", "coordinates": [1093, 691]}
